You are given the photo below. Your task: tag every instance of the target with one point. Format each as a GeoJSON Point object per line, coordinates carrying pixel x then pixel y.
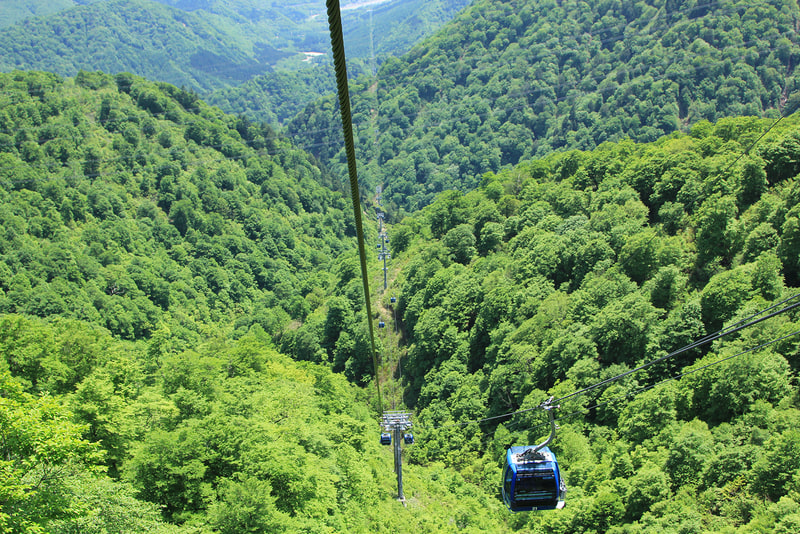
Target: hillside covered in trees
{"type": "Point", "coordinates": [142, 36]}
{"type": "Point", "coordinates": [580, 267]}
{"type": "Point", "coordinates": [511, 79]}
{"type": "Point", "coordinates": [132, 204]}
{"type": "Point", "coordinates": [15, 11]}
{"type": "Point", "coordinates": [184, 347]}
{"type": "Point", "coordinates": [277, 97]}
{"type": "Point", "coordinates": [102, 435]}
{"type": "Point", "coordinates": [183, 342]}
{"type": "Point", "coordinates": [156, 260]}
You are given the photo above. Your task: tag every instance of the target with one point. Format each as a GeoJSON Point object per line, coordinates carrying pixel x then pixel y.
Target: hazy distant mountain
{"type": "Point", "coordinates": [256, 34]}
{"type": "Point", "coordinates": [138, 36]}
{"type": "Point", "coordinates": [15, 11]}
{"type": "Point", "coordinates": [209, 45]}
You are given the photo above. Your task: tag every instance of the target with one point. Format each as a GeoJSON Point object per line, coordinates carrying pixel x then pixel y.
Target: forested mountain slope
{"type": "Point", "coordinates": [383, 28]}
{"type": "Point", "coordinates": [139, 36]}
{"type": "Point", "coordinates": [132, 204]}
{"type": "Point", "coordinates": [568, 270]}
{"type": "Point", "coordinates": [15, 11]}
{"type": "Point", "coordinates": [509, 79]}
{"type": "Point", "coordinates": [153, 252]}
{"type": "Point", "coordinates": [392, 29]}
{"type": "Point", "coordinates": [159, 260]}
{"type": "Point", "coordinates": [276, 97]}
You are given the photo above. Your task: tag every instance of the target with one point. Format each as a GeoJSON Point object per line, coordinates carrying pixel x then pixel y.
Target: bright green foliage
{"type": "Point", "coordinates": [647, 487]}
{"type": "Point", "coordinates": [247, 506]}
{"type": "Point", "coordinates": [779, 467]}
{"type": "Point", "coordinates": [689, 450]}
{"type": "Point", "coordinates": [717, 237]}
{"type": "Point", "coordinates": [790, 245]}
{"type": "Point", "coordinates": [162, 265]}
{"type": "Point", "coordinates": [105, 505]}
{"type": "Point", "coordinates": [275, 446]}
{"type": "Point", "coordinates": [638, 256]}
{"type": "Point", "coordinates": [731, 387]}
{"type": "Point", "coordinates": [724, 294]}
{"type": "Point", "coordinates": [169, 215]}
{"type": "Point", "coordinates": [588, 282]}
{"type": "Point", "coordinates": [643, 417]}
{"type": "Point", "coordinates": [461, 242]}
{"type": "Point", "coordinates": [41, 449]}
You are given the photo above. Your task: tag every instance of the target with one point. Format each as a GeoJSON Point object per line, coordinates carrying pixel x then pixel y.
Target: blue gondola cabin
{"type": "Point", "coordinates": [532, 481]}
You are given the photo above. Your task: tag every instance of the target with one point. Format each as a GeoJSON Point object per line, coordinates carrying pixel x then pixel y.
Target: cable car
{"type": "Point", "coordinates": [393, 300]}
{"type": "Point", "coordinates": [386, 438]}
{"type": "Point", "coordinates": [381, 324]}
{"type": "Point", "coordinates": [531, 478]}
{"type": "Point", "coordinates": [532, 481]}
{"type": "Point", "coordinates": [408, 438]}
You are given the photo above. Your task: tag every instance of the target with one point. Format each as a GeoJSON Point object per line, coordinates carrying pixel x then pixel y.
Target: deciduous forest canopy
{"type": "Point", "coordinates": [182, 328]}
{"type": "Point", "coordinates": [509, 80]}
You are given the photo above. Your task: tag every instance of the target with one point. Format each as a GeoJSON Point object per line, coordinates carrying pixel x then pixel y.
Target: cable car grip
{"type": "Point", "coordinates": [533, 453]}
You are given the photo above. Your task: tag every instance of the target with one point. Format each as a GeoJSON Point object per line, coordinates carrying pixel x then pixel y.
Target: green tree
{"type": "Point", "coordinates": [789, 247]}
{"type": "Point", "coordinates": [461, 243]}
{"type": "Point", "coordinates": [723, 295]}
{"type": "Point", "coordinates": [621, 329]}
{"type": "Point", "coordinates": [491, 237]}
{"type": "Point", "coordinates": [647, 414]}
{"type": "Point", "coordinates": [689, 451]}
{"type": "Point", "coordinates": [648, 486]}
{"type": "Point", "coordinates": [40, 449]}
{"type": "Point", "coordinates": [449, 211]}
{"type": "Point", "coordinates": [106, 505]}
{"type": "Point", "coordinates": [717, 231]}
{"type": "Point", "coordinates": [779, 466]}
{"type": "Point", "coordinates": [169, 469]}
{"type": "Point", "coordinates": [729, 388]}
{"type": "Point", "coordinates": [638, 256]}
{"type": "Point", "coordinates": [246, 504]}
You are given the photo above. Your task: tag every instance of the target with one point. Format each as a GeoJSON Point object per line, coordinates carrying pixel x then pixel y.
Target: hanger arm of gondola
{"type": "Point", "coordinates": [533, 452]}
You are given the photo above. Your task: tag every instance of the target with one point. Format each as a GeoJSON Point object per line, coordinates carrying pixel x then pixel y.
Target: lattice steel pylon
{"type": "Point", "coordinates": [397, 423]}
